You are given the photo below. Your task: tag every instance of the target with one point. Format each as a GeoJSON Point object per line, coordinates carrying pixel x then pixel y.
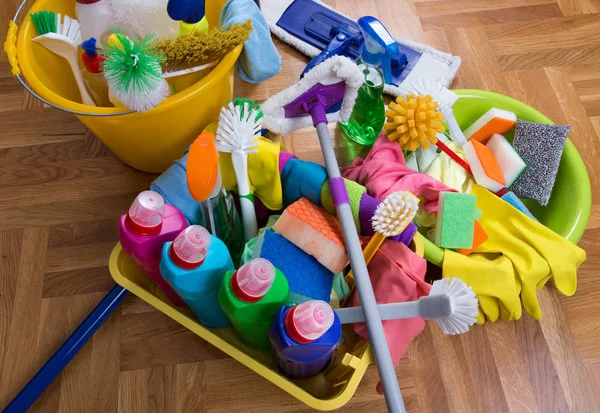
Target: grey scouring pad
{"type": "Point", "coordinates": [541, 147]}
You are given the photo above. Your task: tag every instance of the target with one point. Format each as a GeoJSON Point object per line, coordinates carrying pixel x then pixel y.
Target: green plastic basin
{"type": "Point", "coordinates": [568, 211]}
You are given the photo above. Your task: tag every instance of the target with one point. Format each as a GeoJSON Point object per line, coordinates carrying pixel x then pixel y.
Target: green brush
{"type": "Point", "coordinates": [196, 51]}
{"type": "Point", "coordinates": [133, 71]}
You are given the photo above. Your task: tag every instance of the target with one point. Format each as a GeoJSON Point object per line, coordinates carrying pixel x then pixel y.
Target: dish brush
{"type": "Point", "coordinates": [414, 121]}
{"type": "Point", "coordinates": [238, 133]}
{"type": "Point", "coordinates": [192, 52]}
{"type": "Point", "coordinates": [133, 71]}
{"type": "Point", "coordinates": [62, 37]}
{"type": "Point", "coordinates": [391, 217]}
{"type": "Point", "coordinates": [451, 303]}
{"type": "Point", "coordinates": [445, 99]}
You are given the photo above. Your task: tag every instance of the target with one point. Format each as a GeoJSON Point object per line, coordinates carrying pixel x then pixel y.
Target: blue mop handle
{"type": "Point", "coordinates": [337, 46]}
{"type": "Point", "coordinates": [59, 360]}
{"type": "Point", "coordinates": [383, 358]}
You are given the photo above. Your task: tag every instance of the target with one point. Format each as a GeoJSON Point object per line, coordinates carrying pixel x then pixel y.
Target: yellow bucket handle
{"type": "Point", "coordinates": [10, 49]}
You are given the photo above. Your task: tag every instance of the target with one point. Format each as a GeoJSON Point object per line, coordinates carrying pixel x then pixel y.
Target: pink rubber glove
{"type": "Point", "coordinates": [384, 171]}
{"type": "Point", "coordinates": [397, 275]}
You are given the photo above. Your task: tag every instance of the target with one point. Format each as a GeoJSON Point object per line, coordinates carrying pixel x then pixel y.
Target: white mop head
{"type": "Point", "coordinates": [433, 65]}
{"type": "Point", "coordinates": [332, 70]}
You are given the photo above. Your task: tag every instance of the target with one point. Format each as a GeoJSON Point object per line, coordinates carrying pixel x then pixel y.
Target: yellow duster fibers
{"type": "Point", "coordinates": [194, 49]}
{"type": "Point", "coordinates": [413, 121]}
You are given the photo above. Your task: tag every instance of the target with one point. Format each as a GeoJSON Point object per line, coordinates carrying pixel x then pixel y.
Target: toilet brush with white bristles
{"type": "Point", "coordinates": [451, 304]}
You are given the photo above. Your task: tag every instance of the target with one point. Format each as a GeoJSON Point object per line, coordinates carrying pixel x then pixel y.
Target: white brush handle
{"type": "Point", "coordinates": [240, 166]}
{"type": "Point", "coordinates": [427, 308]}
{"type": "Point", "coordinates": [455, 132]}
{"type": "Point", "coordinates": [85, 96]}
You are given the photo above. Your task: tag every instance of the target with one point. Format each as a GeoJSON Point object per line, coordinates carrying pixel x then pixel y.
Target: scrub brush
{"type": "Point", "coordinates": [62, 37]}
{"type": "Point", "coordinates": [451, 303]}
{"type": "Point", "coordinates": [445, 99]}
{"type": "Point", "coordinates": [391, 217]}
{"type": "Point", "coordinates": [414, 122]}
{"type": "Point", "coordinates": [192, 52]}
{"type": "Point", "coordinates": [133, 71]}
{"type": "Point", "coordinates": [238, 133]}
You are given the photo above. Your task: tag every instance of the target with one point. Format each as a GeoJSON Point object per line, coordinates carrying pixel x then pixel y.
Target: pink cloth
{"type": "Point", "coordinates": [384, 171]}
{"type": "Point", "coordinates": [397, 275]}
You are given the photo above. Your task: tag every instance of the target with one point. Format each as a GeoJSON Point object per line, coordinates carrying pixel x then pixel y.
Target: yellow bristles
{"type": "Point", "coordinates": [194, 49]}
{"type": "Point", "coordinates": [413, 121]}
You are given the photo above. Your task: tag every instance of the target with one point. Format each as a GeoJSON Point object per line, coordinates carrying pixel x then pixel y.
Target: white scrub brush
{"type": "Point", "coordinates": [62, 37]}
{"type": "Point", "coordinates": [391, 217]}
{"type": "Point", "coordinates": [451, 304]}
{"type": "Point", "coordinates": [238, 133]}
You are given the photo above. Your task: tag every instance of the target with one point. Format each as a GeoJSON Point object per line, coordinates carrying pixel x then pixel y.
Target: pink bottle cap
{"type": "Point", "coordinates": [146, 213]}
{"type": "Point", "coordinates": [189, 249]}
{"type": "Point", "coordinates": [252, 281]}
{"type": "Point", "coordinates": [308, 321]}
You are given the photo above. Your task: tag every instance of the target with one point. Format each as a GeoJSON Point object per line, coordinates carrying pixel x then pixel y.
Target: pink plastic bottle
{"type": "Point", "coordinates": [145, 229]}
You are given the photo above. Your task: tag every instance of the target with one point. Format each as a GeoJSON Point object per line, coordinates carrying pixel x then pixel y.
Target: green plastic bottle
{"type": "Point", "coordinates": [368, 115]}
{"type": "Point", "coordinates": [250, 297]}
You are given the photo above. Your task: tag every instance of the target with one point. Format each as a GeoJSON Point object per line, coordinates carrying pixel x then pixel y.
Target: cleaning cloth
{"type": "Point", "coordinates": [518, 258]}
{"type": "Point", "coordinates": [260, 59]}
{"type": "Point", "coordinates": [446, 170]}
{"type": "Point", "coordinates": [397, 275]}
{"type": "Point", "coordinates": [302, 179]}
{"type": "Point", "coordinates": [172, 185]}
{"type": "Point", "coordinates": [384, 172]}
{"type": "Point", "coordinates": [263, 173]}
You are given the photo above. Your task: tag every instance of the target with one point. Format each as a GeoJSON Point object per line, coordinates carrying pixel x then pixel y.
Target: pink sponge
{"type": "Point", "coordinates": [316, 232]}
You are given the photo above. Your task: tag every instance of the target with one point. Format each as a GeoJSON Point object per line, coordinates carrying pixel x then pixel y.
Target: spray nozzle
{"type": "Point", "coordinates": [380, 48]}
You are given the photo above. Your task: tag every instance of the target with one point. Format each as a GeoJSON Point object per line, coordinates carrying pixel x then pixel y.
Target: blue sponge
{"type": "Point", "coordinates": [514, 200]}
{"type": "Point", "coordinates": [305, 275]}
{"type": "Point", "coordinates": [302, 179]}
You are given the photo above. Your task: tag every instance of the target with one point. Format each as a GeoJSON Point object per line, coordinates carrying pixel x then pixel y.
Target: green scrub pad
{"type": "Point", "coordinates": [455, 220]}
{"type": "Point", "coordinates": [355, 193]}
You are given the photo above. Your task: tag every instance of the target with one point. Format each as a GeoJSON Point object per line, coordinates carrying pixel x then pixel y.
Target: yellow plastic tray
{"type": "Point", "coordinates": [327, 391]}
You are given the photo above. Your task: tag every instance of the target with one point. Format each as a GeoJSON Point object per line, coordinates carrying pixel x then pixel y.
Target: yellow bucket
{"type": "Point", "coordinates": [149, 141]}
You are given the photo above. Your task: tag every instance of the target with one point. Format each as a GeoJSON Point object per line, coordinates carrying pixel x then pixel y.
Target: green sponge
{"type": "Point", "coordinates": [455, 220]}
{"type": "Point", "coordinates": [355, 193]}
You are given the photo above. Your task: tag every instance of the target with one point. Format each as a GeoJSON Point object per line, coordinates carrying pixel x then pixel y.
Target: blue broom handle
{"type": "Point", "coordinates": [383, 358]}
{"type": "Point", "coordinates": [59, 360]}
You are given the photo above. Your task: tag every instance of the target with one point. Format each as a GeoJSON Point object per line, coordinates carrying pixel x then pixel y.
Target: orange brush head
{"type": "Point", "coordinates": [413, 121]}
{"type": "Point", "coordinates": [202, 167]}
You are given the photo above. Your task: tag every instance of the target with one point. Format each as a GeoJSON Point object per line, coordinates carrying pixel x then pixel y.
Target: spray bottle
{"type": "Point", "coordinates": [144, 230]}
{"type": "Point", "coordinates": [251, 297]}
{"type": "Point", "coordinates": [194, 265]}
{"type": "Point", "coordinates": [304, 338]}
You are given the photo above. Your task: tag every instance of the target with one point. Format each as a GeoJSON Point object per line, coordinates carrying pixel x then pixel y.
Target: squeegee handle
{"type": "Point", "coordinates": [385, 365]}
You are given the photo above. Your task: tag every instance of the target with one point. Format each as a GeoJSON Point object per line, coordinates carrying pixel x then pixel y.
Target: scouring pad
{"type": "Point", "coordinates": [541, 147]}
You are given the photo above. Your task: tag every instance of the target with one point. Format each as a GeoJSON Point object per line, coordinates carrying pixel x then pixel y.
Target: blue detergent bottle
{"type": "Point", "coordinates": [304, 338]}
{"type": "Point", "coordinates": [194, 265]}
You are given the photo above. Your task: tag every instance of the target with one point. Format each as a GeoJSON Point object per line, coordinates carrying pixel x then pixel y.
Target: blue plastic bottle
{"type": "Point", "coordinates": [194, 265]}
{"type": "Point", "coordinates": [304, 338]}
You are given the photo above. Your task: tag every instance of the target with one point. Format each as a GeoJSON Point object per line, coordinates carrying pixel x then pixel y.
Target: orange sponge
{"type": "Point", "coordinates": [493, 121]}
{"type": "Point", "coordinates": [484, 166]}
{"type": "Point", "coordinates": [316, 232]}
{"type": "Point", "coordinates": [479, 237]}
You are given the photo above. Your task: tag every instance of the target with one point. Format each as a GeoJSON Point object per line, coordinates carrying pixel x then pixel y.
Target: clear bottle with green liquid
{"type": "Point", "coordinates": [368, 115]}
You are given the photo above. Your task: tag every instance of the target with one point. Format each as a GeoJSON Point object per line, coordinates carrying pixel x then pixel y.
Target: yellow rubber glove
{"type": "Point", "coordinates": [444, 169]}
{"type": "Point", "coordinates": [536, 253]}
{"type": "Point", "coordinates": [263, 173]}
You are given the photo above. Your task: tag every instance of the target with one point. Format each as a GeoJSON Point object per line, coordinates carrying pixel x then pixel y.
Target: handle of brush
{"type": "Point", "coordinates": [371, 249]}
{"type": "Point", "coordinates": [59, 360]}
{"type": "Point", "coordinates": [427, 308]}
{"type": "Point", "coordinates": [455, 132]}
{"type": "Point", "coordinates": [240, 166]}
{"type": "Point", "coordinates": [385, 365]}
{"type": "Point", "coordinates": [85, 96]}
{"type": "Point", "coordinates": [453, 156]}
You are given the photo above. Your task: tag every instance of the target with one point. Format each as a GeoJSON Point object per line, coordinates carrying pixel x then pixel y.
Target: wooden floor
{"type": "Point", "coordinates": [61, 192]}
